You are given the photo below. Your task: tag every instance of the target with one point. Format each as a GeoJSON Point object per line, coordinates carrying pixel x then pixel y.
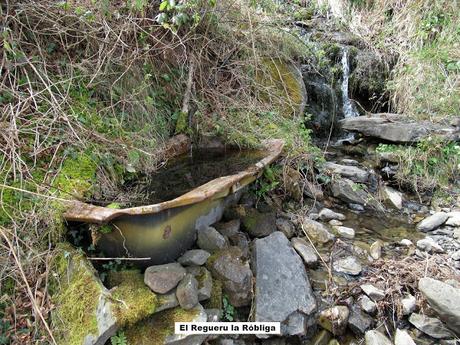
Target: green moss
{"type": "Point", "coordinates": [77, 175]}
{"type": "Point", "coordinates": [76, 299]}
{"type": "Point", "coordinates": [154, 330]}
{"type": "Point", "coordinates": [215, 301]}
{"type": "Point", "coordinates": [135, 301]}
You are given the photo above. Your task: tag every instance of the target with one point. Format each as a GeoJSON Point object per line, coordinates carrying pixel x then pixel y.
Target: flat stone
{"type": "Point", "coordinates": [352, 193]}
{"type": "Point", "coordinates": [335, 222]}
{"type": "Point", "coordinates": [376, 250]}
{"type": "Point", "coordinates": [258, 224]}
{"type": "Point", "coordinates": [283, 292]}
{"type": "Point", "coordinates": [327, 214]}
{"type": "Point", "coordinates": [349, 265]}
{"type": "Point", "coordinates": [392, 197]}
{"type": "Point", "coordinates": [286, 227]}
{"type": "Point", "coordinates": [164, 278]}
{"type": "Point", "coordinates": [194, 257]}
{"type": "Point", "coordinates": [429, 245]}
{"type": "Point", "coordinates": [210, 239]}
{"type": "Point", "coordinates": [229, 228]}
{"type": "Point", "coordinates": [334, 319]}
{"type": "Point", "coordinates": [444, 299]}
{"type": "Point", "coordinates": [367, 305]}
{"type": "Point", "coordinates": [343, 231]}
{"type": "Point", "coordinates": [351, 172]}
{"type": "Point", "coordinates": [229, 266]}
{"type": "Point", "coordinates": [454, 219]}
{"type": "Point", "coordinates": [432, 222]}
{"type": "Point", "coordinates": [431, 326]}
{"type": "Point", "coordinates": [306, 251]}
{"type": "Point", "coordinates": [374, 293]}
{"type": "Point", "coordinates": [359, 322]}
{"type": "Point", "coordinates": [187, 292]}
{"type": "Point", "coordinates": [317, 232]}
{"type": "Point", "coordinates": [409, 303]}
{"type": "Point", "coordinates": [376, 338]}
{"type": "Point", "coordinates": [403, 338]}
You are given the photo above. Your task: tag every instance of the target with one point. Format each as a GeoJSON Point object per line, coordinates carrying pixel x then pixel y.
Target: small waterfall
{"type": "Point", "coordinates": [349, 109]}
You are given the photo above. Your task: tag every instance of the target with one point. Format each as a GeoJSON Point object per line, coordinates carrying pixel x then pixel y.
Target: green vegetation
{"type": "Point", "coordinates": [228, 310]}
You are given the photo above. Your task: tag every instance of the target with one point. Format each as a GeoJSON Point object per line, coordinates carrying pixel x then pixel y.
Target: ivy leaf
{"type": "Point", "coordinates": [163, 5]}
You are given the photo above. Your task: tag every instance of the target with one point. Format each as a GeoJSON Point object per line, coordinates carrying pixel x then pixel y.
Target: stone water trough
{"type": "Point", "coordinates": [161, 232]}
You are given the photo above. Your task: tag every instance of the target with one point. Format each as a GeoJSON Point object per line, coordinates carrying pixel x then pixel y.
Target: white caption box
{"type": "Point", "coordinates": [188, 328]}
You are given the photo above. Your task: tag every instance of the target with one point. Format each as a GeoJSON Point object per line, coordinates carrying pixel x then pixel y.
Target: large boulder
{"type": "Point", "coordinates": [282, 292]}
{"type": "Point", "coordinates": [432, 222]}
{"type": "Point", "coordinates": [444, 299]}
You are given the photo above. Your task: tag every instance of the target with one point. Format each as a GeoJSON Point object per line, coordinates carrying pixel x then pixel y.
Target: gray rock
{"type": "Point", "coordinates": [392, 197]}
{"type": "Point", "coordinates": [351, 172]}
{"type": "Point", "coordinates": [214, 315]}
{"type": "Point", "coordinates": [334, 319]}
{"type": "Point", "coordinates": [286, 227]}
{"type": "Point", "coordinates": [349, 192]}
{"type": "Point", "coordinates": [454, 219]}
{"type": "Point", "coordinates": [444, 299]}
{"type": "Point", "coordinates": [166, 301]}
{"type": "Point", "coordinates": [321, 338]}
{"type": "Point", "coordinates": [403, 338]}
{"type": "Point", "coordinates": [367, 305]}
{"type": "Point", "coordinates": [306, 251]}
{"type": "Point", "coordinates": [194, 257]}
{"type": "Point", "coordinates": [409, 303]}
{"type": "Point", "coordinates": [183, 339]}
{"type": "Point", "coordinates": [335, 222]}
{"type": "Point", "coordinates": [210, 239]}
{"type": "Point", "coordinates": [258, 224]}
{"type": "Point", "coordinates": [373, 292]}
{"type": "Point", "coordinates": [374, 337]}
{"type": "Point", "coordinates": [349, 265]}
{"type": "Point", "coordinates": [236, 276]}
{"type": "Point", "coordinates": [327, 214]}
{"type": "Point", "coordinates": [229, 228]}
{"type": "Point", "coordinates": [204, 279]}
{"type": "Point", "coordinates": [241, 241]}
{"type": "Point", "coordinates": [164, 278]}
{"type": "Point", "coordinates": [343, 231]}
{"type": "Point", "coordinates": [429, 245]}
{"type": "Point", "coordinates": [317, 232]}
{"type": "Point", "coordinates": [187, 292]}
{"type": "Point", "coordinates": [431, 326]}
{"type": "Point", "coordinates": [432, 222]}
{"type": "Point", "coordinates": [456, 256]}
{"type": "Point", "coordinates": [283, 291]}
{"type": "Point", "coordinates": [359, 322]}
{"type": "Point", "coordinates": [376, 250]}
{"type": "Point", "coordinates": [406, 242]}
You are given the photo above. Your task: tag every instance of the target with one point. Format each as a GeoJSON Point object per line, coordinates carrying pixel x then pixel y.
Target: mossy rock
{"type": "Point", "coordinates": [159, 328]}
{"type": "Point", "coordinates": [283, 86]}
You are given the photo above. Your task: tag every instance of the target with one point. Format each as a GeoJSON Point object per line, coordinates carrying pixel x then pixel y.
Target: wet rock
{"type": "Point", "coordinates": [316, 231]}
{"type": "Point", "coordinates": [374, 293]}
{"type": "Point", "coordinates": [235, 274]}
{"type": "Point", "coordinates": [376, 338]}
{"type": "Point", "coordinates": [347, 191]}
{"type": "Point", "coordinates": [164, 278]}
{"type": "Point", "coordinates": [335, 222]}
{"type": "Point", "coordinates": [395, 128]}
{"type": "Point", "coordinates": [286, 227]}
{"type": "Point", "coordinates": [210, 239]}
{"type": "Point", "coordinates": [392, 197]}
{"type": "Point", "coordinates": [409, 303]}
{"type": "Point", "coordinates": [187, 292]}
{"type": "Point", "coordinates": [283, 291]}
{"type": "Point", "coordinates": [444, 299]}
{"type": "Point", "coordinates": [194, 257]}
{"type": "Point", "coordinates": [258, 224]}
{"type": "Point", "coordinates": [454, 219]}
{"type": "Point", "coordinates": [403, 338]}
{"type": "Point", "coordinates": [343, 231]}
{"type": "Point", "coordinates": [351, 172]}
{"type": "Point", "coordinates": [306, 251]}
{"type": "Point", "coordinates": [327, 214]}
{"type": "Point", "coordinates": [349, 265]}
{"type": "Point", "coordinates": [334, 319]}
{"type": "Point", "coordinates": [432, 222]}
{"type": "Point", "coordinates": [376, 249]}
{"type": "Point", "coordinates": [429, 245]}
{"type": "Point", "coordinates": [431, 326]}
{"type": "Point", "coordinates": [229, 228]}
{"type": "Point", "coordinates": [359, 322]}
{"type": "Point", "coordinates": [367, 305]}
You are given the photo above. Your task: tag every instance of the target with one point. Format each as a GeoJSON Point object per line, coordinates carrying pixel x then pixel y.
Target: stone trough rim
{"type": "Point", "coordinates": [84, 212]}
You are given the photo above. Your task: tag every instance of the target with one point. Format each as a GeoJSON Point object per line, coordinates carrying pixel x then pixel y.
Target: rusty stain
{"type": "Point", "coordinates": [167, 232]}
